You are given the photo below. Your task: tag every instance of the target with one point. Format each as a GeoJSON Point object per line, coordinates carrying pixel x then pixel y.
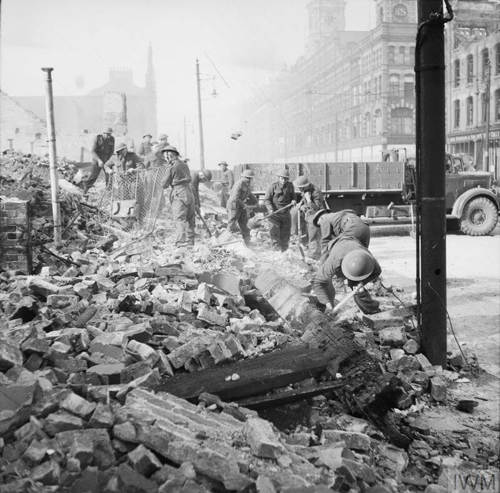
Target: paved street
{"type": "Point", "coordinates": [473, 270]}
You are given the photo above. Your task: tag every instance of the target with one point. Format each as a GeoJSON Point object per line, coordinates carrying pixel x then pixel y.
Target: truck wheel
{"type": "Point", "coordinates": [479, 218]}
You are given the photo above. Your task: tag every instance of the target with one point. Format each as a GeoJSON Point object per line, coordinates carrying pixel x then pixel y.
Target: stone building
{"type": "Point", "coordinates": [473, 82]}
{"type": "Point", "coordinates": [119, 103]}
{"type": "Point", "coordinates": [350, 97]}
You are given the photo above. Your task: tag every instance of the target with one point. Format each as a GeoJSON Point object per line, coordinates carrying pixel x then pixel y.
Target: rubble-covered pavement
{"type": "Point", "coordinates": [87, 342]}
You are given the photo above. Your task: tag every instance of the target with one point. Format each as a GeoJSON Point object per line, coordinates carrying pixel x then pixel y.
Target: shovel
{"type": "Point", "coordinates": [204, 223]}
{"type": "Point", "coordinates": [254, 222]}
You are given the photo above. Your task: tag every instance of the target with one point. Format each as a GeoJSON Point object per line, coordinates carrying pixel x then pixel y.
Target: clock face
{"type": "Point", "coordinates": [400, 11]}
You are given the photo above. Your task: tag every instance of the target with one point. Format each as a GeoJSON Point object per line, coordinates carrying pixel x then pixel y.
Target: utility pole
{"type": "Point", "coordinates": [431, 226]}
{"type": "Point", "coordinates": [200, 119]}
{"type": "Point", "coordinates": [51, 134]}
{"type": "Point", "coordinates": [487, 99]}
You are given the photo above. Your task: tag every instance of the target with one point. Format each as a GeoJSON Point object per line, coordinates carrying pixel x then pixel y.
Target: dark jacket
{"type": "Point", "coordinates": [333, 225]}
{"type": "Point", "coordinates": [126, 161]}
{"type": "Point", "coordinates": [278, 196]}
{"type": "Point", "coordinates": [103, 147]}
{"type": "Point", "coordinates": [240, 195]}
{"type": "Point", "coordinates": [178, 175]}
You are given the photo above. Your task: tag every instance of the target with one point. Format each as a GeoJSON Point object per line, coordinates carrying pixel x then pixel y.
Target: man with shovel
{"type": "Point", "coordinates": [280, 196]}
{"type": "Point", "coordinates": [237, 216]}
{"type": "Point", "coordinates": [347, 260]}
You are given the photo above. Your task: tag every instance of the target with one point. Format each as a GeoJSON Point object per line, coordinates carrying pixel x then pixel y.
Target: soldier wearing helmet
{"type": "Point", "coordinates": [227, 182]}
{"type": "Point", "coordinates": [155, 157]}
{"type": "Point", "coordinates": [332, 225]}
{"type": "Point", "coordinates": [202, 176]}
{"type": "Point", "coordinates": [347, 259]}
{"type": "Point", "coordinates": [311, 202]}
{"type": "Point", "coordinates": [146, 146]}
{"type": "Point", "coordinates": [123, 161]}
{"type": "Point", "coordinates": [239, 197]}
{"type": "Point", "coordinates": [102, 150]}
{"type": "Point", "coordinates": [280, 194]}
{"type": "Point", "coordinates": [178, 179]}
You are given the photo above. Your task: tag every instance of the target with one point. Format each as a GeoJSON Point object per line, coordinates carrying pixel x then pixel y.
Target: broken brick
{"type": "Point", "coordinates": [77, 405]}
{"type": "Point", "coordinates": [262, 439]}
{"type": "Point", "coordinates": [144, 461]}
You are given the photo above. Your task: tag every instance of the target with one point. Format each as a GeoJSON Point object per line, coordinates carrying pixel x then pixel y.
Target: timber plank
{"type": "Point", "coordinates": [256, 376]}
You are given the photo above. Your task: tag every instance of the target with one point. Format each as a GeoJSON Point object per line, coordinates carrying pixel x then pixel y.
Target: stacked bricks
{"type": "Point", "coordinates": [15, 248]}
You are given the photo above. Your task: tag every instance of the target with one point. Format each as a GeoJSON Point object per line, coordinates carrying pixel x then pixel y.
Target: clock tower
{"type": "Point", "coordinates": [396, 11]}
{"type": "Point", "coordinates": [326, 17]}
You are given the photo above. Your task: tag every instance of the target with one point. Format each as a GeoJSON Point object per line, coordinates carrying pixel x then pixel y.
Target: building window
{"type": "Point", "coordinates": [394, 85]}
{"type": "Point", "coordinates": [470, 68]}
{"type": "Point", "coordinates": [402, 121]}
{"type": "Point", "coordinates": [412, 54]}
{"type": "Point", "coordinates": [16, 131]}
{"type": "Point", "coordinates": [391, 55]}
{"type": "Point", "coordinates": [409, 87]}
{"type": "Point", "coordinates": [38, 136]}
{"type": "Point", "coordinates": [456, 113]}
{"type": "Point", "coordinates": [378, 122]}
{"type": "Point", "coordinates": [401, 56]}
{"type": "Point", "coordinates": [497, 59]}
{"type": "Point", "coordinates": [469, 105]}
{"type": "Point", "coordinates": [457, 72]}
{"type": "Point", "coordinates": [497, 105]}
{"type": "Point", "coordinates": [485, 57]}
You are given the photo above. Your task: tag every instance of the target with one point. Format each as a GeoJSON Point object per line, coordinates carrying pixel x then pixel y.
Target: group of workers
{"type": "Point", "coordinates": [340, 240]}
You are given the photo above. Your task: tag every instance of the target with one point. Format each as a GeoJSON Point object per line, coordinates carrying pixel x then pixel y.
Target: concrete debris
{"type": "Point", "coordinates": [86, 343]}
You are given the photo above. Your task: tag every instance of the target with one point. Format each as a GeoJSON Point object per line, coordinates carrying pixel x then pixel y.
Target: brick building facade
{"type": "Point", "coordinates": [349, 98]}
{"type": "Point", "coordinates": [473, 81]}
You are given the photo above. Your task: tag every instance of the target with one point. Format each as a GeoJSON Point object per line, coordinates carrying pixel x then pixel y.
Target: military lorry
{"type": "Point", "coordinates": [361, 186]}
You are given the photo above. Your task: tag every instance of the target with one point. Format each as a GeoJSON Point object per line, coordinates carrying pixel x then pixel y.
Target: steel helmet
{"type": "Point", "coordinates": [223, 163]}
{"type": "Point", "coordinates": [170, 149]}
{"type": "Point", "coordinates": [318, 215]}
{"type": "Point", "coordinates": [207, 174]}
{"type": "Point", "coordinates": [120, 147]}
{"type": "Point", "coordinates": [302, 182]}
{"type": "Point", "coordinates": [163, 137]}
{"type": "Point", "coordinates": [284, 173]}
{"type": "Point", "coordinates": [108, 130]}
{"type": "Point", "coordinates": [248, 173]}
{"type": "Point", "coordinates": [357, 265]}
{"type": "Point", "coordinates": [147, 135]}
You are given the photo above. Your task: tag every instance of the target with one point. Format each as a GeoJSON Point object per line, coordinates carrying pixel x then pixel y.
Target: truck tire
{"type": "Point", "coordinates": [480, 217]}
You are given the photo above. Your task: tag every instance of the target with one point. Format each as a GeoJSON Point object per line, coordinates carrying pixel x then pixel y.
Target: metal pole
{"type": "Point", "coordinates": [51, 136]}
{"type": "Point", "coordinates": [487, 97]}
{"type": "Point", "coordinates": [200, 119]}
{"type": "Point", "coordinates": [430, 66]}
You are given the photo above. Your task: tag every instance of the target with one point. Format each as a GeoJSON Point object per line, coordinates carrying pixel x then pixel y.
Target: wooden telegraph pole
{"type": "Point", "coordinates": [200, 117]}
{"type": "Point", "coordinates": [430, 130]}
{"type": "Point", "coordinates": [51, 138]}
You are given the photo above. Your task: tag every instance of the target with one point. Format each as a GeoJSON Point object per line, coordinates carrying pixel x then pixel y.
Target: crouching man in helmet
{"type": "Point", "coordinates": [347, 259]}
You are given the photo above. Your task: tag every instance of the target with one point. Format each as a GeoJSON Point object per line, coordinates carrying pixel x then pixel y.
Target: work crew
{"type": "Point", "coordinates": [311, 202]}
{"type": "Point", "coordinates": [347, 260]}
{"type": "Point", "coordinates": [333, 225]}
{"type": "Point", "coordinates": [239, 198]}
{"type": "Point", "coordinates": [202, 176]}
{"type": "Point", "coordinates": [280, 194]}
{"type": "Point", "coordinates": [227, 182]}
{"type": "Point", "coordinates": [102, 150]}
{"type": "Point", "coordinates": [178, 178]}
{"type": "Point", "coordinates": [146, 146]}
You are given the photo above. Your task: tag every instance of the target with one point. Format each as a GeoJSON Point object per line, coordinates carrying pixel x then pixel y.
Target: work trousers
{"type": "Point", "coordinates": [313, 238]}
{"type": "Point", "coordinates": [237, 221]}
{"type": "Point", "coordinates": [183, 212]}
{"type": "Point", "coordinates": [223, 196]}
{"type": "Point", "coordinates": [95, 171]}
{"type": "Point", "coordinates": [281, 225]}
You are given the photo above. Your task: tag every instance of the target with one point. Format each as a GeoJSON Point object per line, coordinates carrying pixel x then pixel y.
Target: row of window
{"type": "Point", "coordinates": [469, 110]}
{"type": "Point", "coordinates": [400, 55]}
{"type": "Point", "coordinates": [469, 66]}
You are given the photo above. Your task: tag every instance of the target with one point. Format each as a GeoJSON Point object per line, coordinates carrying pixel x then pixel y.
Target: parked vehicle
{"type": "Point", "coordinates": [469, 194]}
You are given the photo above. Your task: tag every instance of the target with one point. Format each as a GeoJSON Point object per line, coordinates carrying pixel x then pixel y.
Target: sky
{"type": "Point", "coordinates": [249, 41]}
